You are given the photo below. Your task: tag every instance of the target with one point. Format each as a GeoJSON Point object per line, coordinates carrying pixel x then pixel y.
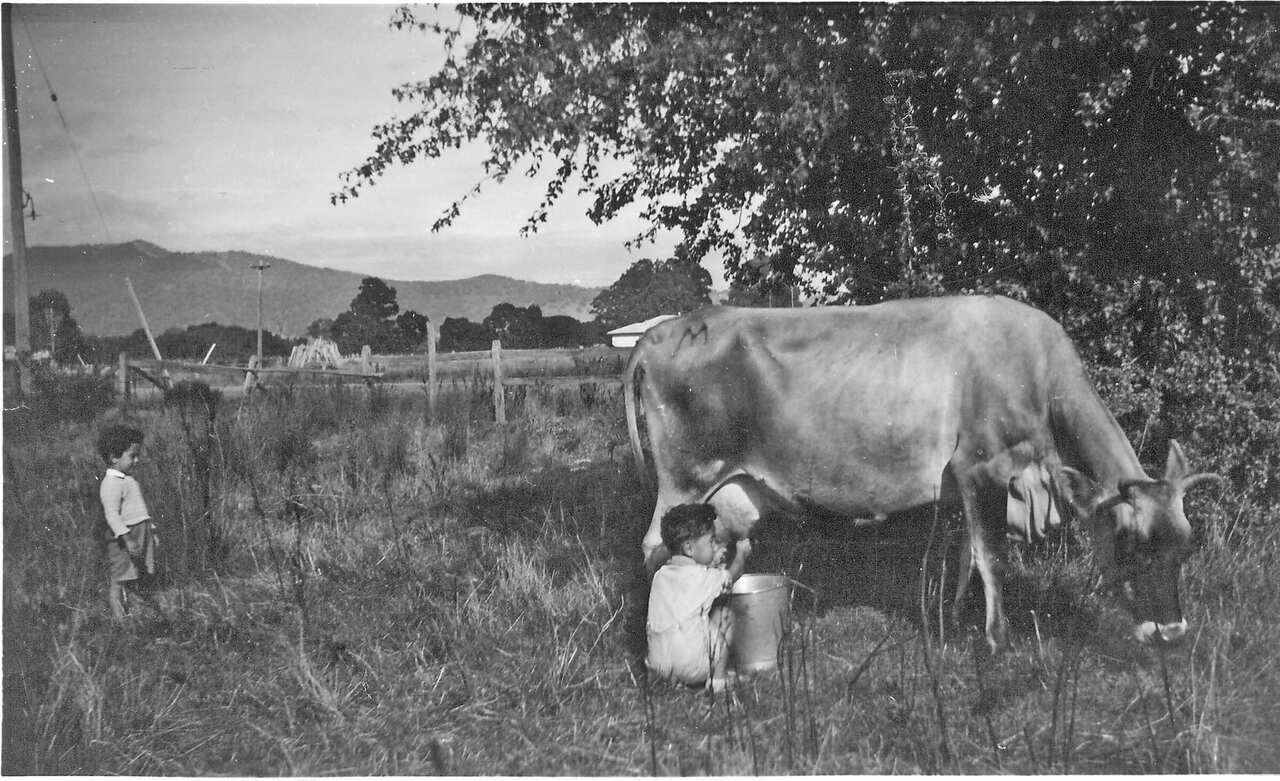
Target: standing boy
{"type": "Point", "coordinates": [130, 535]}
{"type": "Point", "coordinates": [689, 627]}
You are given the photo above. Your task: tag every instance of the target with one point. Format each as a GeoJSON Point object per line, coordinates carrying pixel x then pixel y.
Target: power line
{"type": "Point", "coordinates": [71, 141]}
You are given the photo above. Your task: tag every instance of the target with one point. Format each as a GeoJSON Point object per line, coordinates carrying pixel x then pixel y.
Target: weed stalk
{"type": "Point", "coordinates": [943, 756]}
{"type": "Point", "coordinates": [980, 674]}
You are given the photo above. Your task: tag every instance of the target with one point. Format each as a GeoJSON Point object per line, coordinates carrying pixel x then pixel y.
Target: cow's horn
{"type": "Point", "coordinates": [1201, 477]}
{"type": "Point", "coordinates": [1109, 502]}
{"type": "Point", "coordinates": [1126, 486]}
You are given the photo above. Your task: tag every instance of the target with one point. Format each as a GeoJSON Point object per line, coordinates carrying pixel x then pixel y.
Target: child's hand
{"type": "Point", "coordinates": [134, 545]}
{"type": "Point", "coordinates": [741, 548]}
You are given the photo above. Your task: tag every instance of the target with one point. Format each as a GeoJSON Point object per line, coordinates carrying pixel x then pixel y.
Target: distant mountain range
{"type": "Point", "coordinates": [178, 289]}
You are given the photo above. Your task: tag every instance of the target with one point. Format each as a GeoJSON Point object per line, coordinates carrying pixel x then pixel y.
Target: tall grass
{"type": "Point", "coordinates": [367, 589]}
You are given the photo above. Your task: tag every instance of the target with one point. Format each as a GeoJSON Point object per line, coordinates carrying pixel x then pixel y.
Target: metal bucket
{"type": "Point", "coordinates": [761, 608]}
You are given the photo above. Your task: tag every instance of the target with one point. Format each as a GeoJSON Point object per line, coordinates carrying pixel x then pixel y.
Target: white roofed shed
{"type": "Point", "coordinates": [628, 335]}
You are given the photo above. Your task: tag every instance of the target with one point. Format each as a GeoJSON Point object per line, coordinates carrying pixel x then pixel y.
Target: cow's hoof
{"type": "Point", "coordinates": [998, 639]}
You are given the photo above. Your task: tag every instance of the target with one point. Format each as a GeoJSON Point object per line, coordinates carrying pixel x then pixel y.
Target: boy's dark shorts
{"type": "Point", "coordinates": [120, 565]}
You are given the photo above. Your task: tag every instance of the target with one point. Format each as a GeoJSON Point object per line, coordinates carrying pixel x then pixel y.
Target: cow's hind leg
{"type": "Point", "coordinates": [964, 577]}
{"type": "Point", "coordinates": [655, 553]}
{"type": "Point", "coordinates": [984, 517]}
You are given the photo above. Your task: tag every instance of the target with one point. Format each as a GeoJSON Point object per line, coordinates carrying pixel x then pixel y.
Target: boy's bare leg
{"type": "Point", "coordinates": [144, 588]}
{"type": "Point", "coordinates": [115, 599]}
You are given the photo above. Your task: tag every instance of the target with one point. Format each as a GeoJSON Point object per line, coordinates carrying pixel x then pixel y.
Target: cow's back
{"type": "Point", "coordinates": [857, 409]}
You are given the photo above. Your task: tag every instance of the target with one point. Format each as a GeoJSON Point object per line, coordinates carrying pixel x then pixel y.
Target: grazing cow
{"type": "Point", "coordinates": [859, 412]}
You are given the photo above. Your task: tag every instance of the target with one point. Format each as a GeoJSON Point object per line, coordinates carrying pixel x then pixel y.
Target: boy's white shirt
{"type": "Point", "coordinates": [699, 586]}
{"type": "Point", "coordinates": [113, 498]}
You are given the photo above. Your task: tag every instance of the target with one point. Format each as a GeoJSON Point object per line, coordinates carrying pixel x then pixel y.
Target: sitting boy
{"type": "Point", "coordinates": [689, 626]}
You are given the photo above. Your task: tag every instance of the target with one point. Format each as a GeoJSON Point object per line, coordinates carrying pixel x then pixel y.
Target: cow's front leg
{"type": "Point", "coordinates": [984, 511]}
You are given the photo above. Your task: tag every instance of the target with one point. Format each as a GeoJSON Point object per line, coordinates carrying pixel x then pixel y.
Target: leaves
{"type": "Point", "coordinates": [376, 300]}
{"type": "Point", "coordinates": [1068, 155]}
{"type": "Point", "coordinates": [650, 288]}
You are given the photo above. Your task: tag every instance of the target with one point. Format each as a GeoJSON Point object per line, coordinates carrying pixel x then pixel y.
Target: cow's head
{"type": "Point", "coordinates": [1141, 537]}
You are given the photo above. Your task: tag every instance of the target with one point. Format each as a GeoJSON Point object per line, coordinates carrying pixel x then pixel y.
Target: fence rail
{"type": "Point", "coordinates": [496, 363]}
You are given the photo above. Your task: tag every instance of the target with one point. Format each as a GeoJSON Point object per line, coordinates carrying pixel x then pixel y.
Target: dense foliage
{"type": "Point", "coordinates": [232, 344]}
{"type": "Point", "coordinates": [371, 319]}
{"type": "Point", "coordinates": [53, 328]}
{"type": "Point", "coordinates": [375, 299]}
{"type": "Point", "coordinates": [518, 328]}
{"type": "Point", "coordinates": [649, 288]}
{"type": "Point", "coordinates": [1116, 139]}
{"type": "Point", "coordinates": [1115, 165]}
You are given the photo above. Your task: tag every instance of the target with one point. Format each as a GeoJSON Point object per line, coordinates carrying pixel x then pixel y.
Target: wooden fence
{"type": "Point", "coordinates": [495, 365]}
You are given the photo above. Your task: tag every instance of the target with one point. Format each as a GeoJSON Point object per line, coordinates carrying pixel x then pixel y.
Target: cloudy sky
{"type": "Point", "coordinates": [216, 127]}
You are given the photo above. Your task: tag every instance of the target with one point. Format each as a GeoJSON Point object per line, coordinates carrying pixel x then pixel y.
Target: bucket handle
{"type": "Point", "coordinates": [813, 595]}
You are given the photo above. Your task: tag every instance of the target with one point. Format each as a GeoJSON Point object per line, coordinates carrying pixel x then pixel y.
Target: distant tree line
{"type": "Point", "coordinates": [647, 288]}
{"type": "Point", "coordinates": [374, 318]}
{"type": "Point", "coordinates": [232, 344]}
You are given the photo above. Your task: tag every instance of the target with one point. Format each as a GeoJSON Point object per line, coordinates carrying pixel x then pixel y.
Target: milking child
{"type": "Point", "coordinates": [129, 534]}
{"type": "Point", "coordinates": [689, 624]}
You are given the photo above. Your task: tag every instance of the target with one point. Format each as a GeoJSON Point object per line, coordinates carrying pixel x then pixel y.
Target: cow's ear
{"type": "Point", "coordinates": [1175, 465]}
{"type": "Point", "coordinates": [1080, 491]}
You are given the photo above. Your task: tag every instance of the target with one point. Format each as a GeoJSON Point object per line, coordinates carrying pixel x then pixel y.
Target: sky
{"type": "Point", "coordinates": [225, 127]}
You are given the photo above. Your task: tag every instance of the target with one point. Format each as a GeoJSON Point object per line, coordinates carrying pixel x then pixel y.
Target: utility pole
{"type": "Point", "coordinates": [261, 266]}
{"type": "Point", "coordinates": [17, 230]}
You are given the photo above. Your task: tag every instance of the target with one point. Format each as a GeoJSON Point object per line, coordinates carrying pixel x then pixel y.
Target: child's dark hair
{"type": "Point", "coordinates": [686, 522]}
{"type": "Point", "coordinates": [114, 440]}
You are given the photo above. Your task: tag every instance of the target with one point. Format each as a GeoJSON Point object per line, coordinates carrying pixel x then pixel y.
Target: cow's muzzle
{"type": "Point", "coordinates": [1161, 634]}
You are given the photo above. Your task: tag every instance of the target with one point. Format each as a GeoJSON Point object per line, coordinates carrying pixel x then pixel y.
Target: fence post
{"type": "Point", "coordinates": [431, 369]}
{"type": "Point", "coordinates": [122, 378]}
{"type": "Point", "coordinates": [499, 398]}
{"type": "Point", "coordinates": [251, 376]}
{"type": "Point", "coordinates": [365, 354]}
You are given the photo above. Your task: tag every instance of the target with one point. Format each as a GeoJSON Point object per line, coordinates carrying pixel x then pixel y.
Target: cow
{"type": "Point", "coordinates": [863, 412]}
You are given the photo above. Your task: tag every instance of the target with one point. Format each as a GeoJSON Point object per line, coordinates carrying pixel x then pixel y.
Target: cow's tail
{"type": "Point", "coordinates": [631, 377]}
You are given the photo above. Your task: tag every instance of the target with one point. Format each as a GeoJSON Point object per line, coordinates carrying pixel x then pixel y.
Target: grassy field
{"type": "Point", "coordinates": [354, 588]}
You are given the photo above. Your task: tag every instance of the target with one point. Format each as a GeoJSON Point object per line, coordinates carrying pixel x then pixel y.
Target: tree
{"type": "Point", "coordinates": [761, 289]}
{"type": "Point", "coordinates": [53, 328]}
{"type": "Point", "coordinates": [650, 288]}
{"type": "Point", "coordinates": [413, 328]}
{"type": "Point", "coordinates": [460, 334]}
{"type": "Point", "coordinates": [234, 344]}
{"type": "Point", "coordinates": [565, 331]}
{"type": "Point", "coordinates": [368, 321]}
{"type": "Point", "coordinates": [50, 318]}
{"type": "Point", "coordinates": [320, 327]}
{"type": "Point", "coordinates": [1055, 153]}
{"type": "Point", "coordinates": [376, 300]}
{"type": "Point", "coordinates": [517, 328]}
{"type": "Point", "coordinates": [351, 332]}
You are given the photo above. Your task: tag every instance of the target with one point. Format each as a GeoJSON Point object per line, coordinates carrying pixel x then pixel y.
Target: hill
{"type": "Point", "coordinates": [178, 289]}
